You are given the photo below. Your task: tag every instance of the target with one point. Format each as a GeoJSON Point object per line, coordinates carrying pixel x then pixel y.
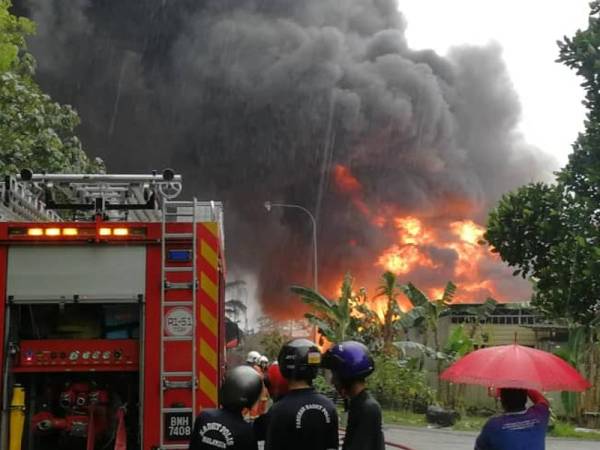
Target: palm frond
{"type": "Point", "coordinates": [312, 298]}
{"type": "Point", "coordinates": [414, 294]}
{"type": "Point", "coordinates": [346, 290]}
{"type": "Point", "coordinates": [414, 318]}
{"type": "Point", "coordinates": [449, 292]}
{"type": "Point", "coordinates": [324, 327]}
{"type": "Point", "coordinates": [387, 286]}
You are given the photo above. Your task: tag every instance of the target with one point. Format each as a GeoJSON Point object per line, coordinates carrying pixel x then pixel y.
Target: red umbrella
{"type": "Point", "coordinates": [515, 366]}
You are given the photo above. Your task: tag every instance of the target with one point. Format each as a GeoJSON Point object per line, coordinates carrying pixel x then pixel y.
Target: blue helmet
{"type": "Point", "coordinates": [349, 360]}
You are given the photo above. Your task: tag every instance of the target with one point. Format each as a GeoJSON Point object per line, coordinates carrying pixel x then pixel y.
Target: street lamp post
{"type": "Point", "coordinates": [269, 206]}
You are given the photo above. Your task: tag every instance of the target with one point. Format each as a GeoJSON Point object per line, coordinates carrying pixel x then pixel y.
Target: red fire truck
{"type": "Point", "coordinates": [111, 312]}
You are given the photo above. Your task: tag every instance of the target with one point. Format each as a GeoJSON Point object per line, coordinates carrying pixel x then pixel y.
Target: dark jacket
{"type": "Point", "coordinates": [364, 430]}
{"type": "Point", "coordinates": [219, 428]}
{"type": "Point", "coordinates": [303, 420]}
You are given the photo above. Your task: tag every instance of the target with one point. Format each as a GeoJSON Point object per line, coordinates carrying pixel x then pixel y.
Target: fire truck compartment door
{"type": "Point", "coordinates": [86, 273]}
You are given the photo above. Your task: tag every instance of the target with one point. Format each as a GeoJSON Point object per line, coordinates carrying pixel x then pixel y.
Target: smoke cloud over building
{"type": "Point", "coordinates": [320, 103]}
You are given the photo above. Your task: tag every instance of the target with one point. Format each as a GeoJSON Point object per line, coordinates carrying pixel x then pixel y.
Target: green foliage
{"type": "Point", "coordinates": [547, 236]}
{"type": "Point", "coordinates": [390, 289]}
{"type": "Point", "coordinates": [474, 423]}
{"type": "Point", "coordinates": [331, 317]}
{"type": "Point", "coordinates": [459, 344]}
{"type": "Point", "coordinates": [35, 132]}
{"type": "Point", "coordinates": [412, 349]}
{"type": "Point", "coordinates": [399, 387]}
{"type": "Point", "coordinates": [352, 316]}
{"type": "Point", "coordinates": [426, 313]}
{"type": "Point", "coordinates": [566, 430]}
{"type": "Point", "coordinates": [271, 344]}
{"type": "Point", "coordinates": [365, 323]}
{"type": "Point", "coordinates": [323, 386]}
{"type": "Point", "coordinates": [13, 31]}
{"type": "Point", "coordinates": [405, 418]}
{"type": "Point", "coordinates": [573, 352]}
{"type": "Point", "coordinates": [524, 223]}
{"type": "Point", "coordinates": [550, 232]}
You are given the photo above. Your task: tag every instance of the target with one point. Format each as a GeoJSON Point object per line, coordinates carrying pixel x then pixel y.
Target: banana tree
{"type": "Point", "coordinates": [365, 323]}
{"type": "Point", "coordinates": [426, 314]}
{"type": "Point", "coordinates": [331, 317]}
{"type": "Point", "coordinates": [390, 289]}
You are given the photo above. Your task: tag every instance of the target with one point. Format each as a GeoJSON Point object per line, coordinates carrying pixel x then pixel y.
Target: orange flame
{"type": "Point", "coordinates": [428, 247]}
{"type": "Point", "coordinates": [468, 231]}
{"type": "Point", "coordinates": [436, 293]}
{"type": "Point", "coordinates": [411, 231]}
{"type": "Point", "coordinates": [467, 247]}
{"type": "Point", "coordinates": [345, 181]}
{"type": "Point", "coordinates": [380, 307]}
{"type": "Point", "coordinates": [462, 237]}
{"type": "Point", "coordinates": [402, 260]}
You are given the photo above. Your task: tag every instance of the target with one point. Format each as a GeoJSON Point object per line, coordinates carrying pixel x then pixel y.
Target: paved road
{"type": "Point", "coordinates": [436, 439]}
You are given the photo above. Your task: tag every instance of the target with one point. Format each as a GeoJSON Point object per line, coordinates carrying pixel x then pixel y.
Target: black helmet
{"type": "Point", "coordinates": [241, 388]}
{"type": "Point", "coordinates": [299, 359]}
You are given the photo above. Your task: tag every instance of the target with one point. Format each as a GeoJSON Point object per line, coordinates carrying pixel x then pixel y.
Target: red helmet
{"type": "Point", "coordinates": [275, 382]}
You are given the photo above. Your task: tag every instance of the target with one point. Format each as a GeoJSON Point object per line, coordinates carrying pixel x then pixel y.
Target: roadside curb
{"type": "Point", "coordinates": [472, 433]}
{"type": "Point", "coordinates": [435, 430]}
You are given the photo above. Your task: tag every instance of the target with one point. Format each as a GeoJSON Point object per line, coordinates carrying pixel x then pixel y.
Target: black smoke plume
{"type": "Point", "coordinates": [255, 100]}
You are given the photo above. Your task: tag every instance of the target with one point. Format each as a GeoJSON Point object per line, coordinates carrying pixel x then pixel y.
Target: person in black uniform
{"type": "Point", "coordinates": [350, 364]}
{"type": "Point", "coordinates": [303, 419]}
{"type": "Point", "coordinates": [225, 428]}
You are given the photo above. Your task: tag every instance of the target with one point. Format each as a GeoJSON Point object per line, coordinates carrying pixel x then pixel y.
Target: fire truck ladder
{"type": "Point", "coordinates": [52, 197]}
{"type": "Point", "coordinates": [18, 202]}
{"type": "Point", "coordinates": [174, 213]}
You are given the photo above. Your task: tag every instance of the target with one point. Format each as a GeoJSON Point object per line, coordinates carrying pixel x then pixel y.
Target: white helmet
{"type": "Point", "coordinates": [253, 357]}
{"type": "Point", "coordinates": [263, 362]}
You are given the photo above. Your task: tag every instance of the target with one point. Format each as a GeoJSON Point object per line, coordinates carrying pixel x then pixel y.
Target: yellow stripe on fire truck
{"type": "Point", "coordinates": [209, 293]}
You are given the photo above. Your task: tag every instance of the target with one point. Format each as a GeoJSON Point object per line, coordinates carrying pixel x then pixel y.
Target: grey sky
{"type": "Point", "coordinates": [527, 30]}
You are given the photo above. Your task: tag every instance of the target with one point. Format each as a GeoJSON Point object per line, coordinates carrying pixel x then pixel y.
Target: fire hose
{"type": "Point", "coordinates": [391, 444]}
{"type": "Point", "coordinates": [388, 444]}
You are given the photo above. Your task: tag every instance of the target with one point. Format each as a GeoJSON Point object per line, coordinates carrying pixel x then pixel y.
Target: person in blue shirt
{"type": "Point", "coordinates": [518, 428]}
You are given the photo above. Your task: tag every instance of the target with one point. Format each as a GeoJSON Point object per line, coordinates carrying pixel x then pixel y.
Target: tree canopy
{"type": "Point", "coordinates": [35, 131]}
{"type": "Point", "coordinates": [550, 232]}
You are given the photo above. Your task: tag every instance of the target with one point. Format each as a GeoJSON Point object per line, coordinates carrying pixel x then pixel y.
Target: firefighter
{"type": "Point", "coordinates": [350, 364]}
{"type": "Point", "coordinates": [303, 419]}
{"type": "Point", "coordinates": [259, 408]}
{"type": "Point", "coordinates": [263, 403]}
{"type": "Point", "coordinates": [252, 358]}
{"type": "Point", "coordinates": [263, 363]}
{"type": "Point", "coordinates": [225, 428]}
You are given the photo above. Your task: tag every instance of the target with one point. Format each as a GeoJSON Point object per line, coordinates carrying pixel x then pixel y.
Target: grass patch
{"type": "Point", "coordinates": [475, 423]}
{"type": "Point", "coordinates": [470, 423]}
{"type": "Point", "coordinates": [404, 418]}
{"type": "Point", "coordinates": [566, 430]}
{"type": "Point", "coordinates": [408, 418]}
